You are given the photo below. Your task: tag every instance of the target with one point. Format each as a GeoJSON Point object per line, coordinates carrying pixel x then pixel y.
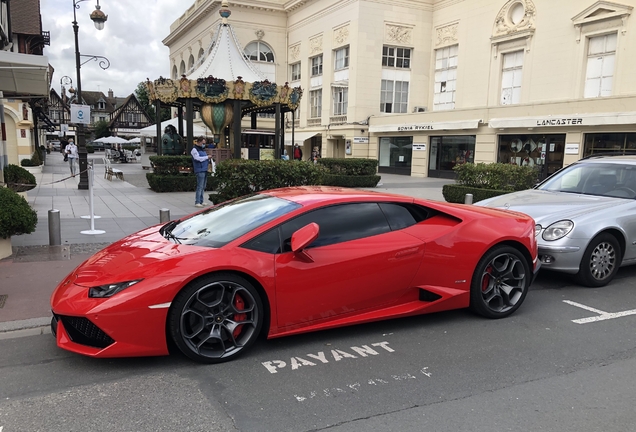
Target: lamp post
{"type": "Point", "coordinates": [99, 18]}
{"type": "Point", "coordinates": [64, 81]}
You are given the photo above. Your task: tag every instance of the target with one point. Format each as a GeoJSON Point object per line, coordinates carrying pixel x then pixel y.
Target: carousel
{"type": "Point", "coordinates": [224, 87]}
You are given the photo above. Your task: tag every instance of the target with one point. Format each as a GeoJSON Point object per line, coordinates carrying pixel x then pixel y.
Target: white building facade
{"type": "Point", "coordinates": [425, 85]}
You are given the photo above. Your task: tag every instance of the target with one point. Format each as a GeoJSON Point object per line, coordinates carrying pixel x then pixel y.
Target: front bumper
{"type": "Point", "coordinates": [565, 256]}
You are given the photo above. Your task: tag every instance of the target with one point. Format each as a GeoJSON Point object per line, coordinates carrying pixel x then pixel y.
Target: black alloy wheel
{"type": "Point", "coordinates": [216, 318]}
{"type": "Point", "coordinates": [500, 282]}
{"type": "Point", "coordinates": [600, 261]}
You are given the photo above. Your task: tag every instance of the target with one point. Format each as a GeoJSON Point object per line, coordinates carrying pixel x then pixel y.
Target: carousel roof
{"type": "Point", "coordinates": [226, 58]}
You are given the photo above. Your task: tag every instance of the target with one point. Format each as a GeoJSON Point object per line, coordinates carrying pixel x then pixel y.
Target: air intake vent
{"type": "Point", "coordinates": [428, 296]}
{"type": "Point", "coordinates": [84, 332]}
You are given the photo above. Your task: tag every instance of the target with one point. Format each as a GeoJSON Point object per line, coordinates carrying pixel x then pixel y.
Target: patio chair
{"type": "Point", "coordinates": [110, 171]}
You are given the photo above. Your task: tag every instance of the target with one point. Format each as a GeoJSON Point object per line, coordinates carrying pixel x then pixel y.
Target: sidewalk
{"type": "Point", "coordinates": [29, 277]}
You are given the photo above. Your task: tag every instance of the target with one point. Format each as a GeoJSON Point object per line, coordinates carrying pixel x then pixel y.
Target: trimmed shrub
{"type": "Point", "coordinates": [36, 159]}
{"type": "Point", "coordinates": [27, 163]}
{"type": "Point", "coordinates": [350, 167]}
{"type": "Point", "coordinates": [174, 183]}
{"type": "Point", "coordinates": [455, 193]}
{"type": "Point", "coordinates": [90, 148]}
{"type": "Point", "coordinates": [496, 176]}
{"type": "Point", "coordinates": [360, 181]}
{"type": "Point", "coordinates": [16, 215]}
{"type": "Point", "coordinates": [238, 177]}
{"type": "Point", "coordinates": [171, 165]}
{"type": "Point", "coordinates": [18, 179]}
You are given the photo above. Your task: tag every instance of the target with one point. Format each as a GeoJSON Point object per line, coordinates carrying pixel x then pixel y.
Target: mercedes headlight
{"type": "Point", "coordinates": [558, 230]}
{"type": "Point", "coordinates": [537, 230]}
{"type": "Point", "coordinates": [109, 290]}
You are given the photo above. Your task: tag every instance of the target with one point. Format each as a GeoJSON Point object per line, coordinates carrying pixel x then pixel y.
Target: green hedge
{"type": "Point", "coordinates": [90, 148]}
{"type": "Point", "coordinates": [238, 177]}
{"type": "Point", "coordinates": [174, 183]}
{"type": "Point", "coordinates": [350, 167]}
{"type": "Point", "coordinates": [496, 176]}
{"type": "Point", "coordinates": [18, 179]}
{"type": "Point", "coordinates": [361, 181]}
{"type": "Point", "coordinates": [16, 215]}
{"type": "Point", "coordinates": [170, 165]}
{"type": "Point", "coordinates": [455, 193]}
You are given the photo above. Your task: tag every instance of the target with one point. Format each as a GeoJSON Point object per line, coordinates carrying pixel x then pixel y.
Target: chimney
{"type": "Point", "coordinates": [110, 93]}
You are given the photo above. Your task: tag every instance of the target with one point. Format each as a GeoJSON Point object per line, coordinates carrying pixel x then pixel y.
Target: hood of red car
{"type": "Point", "coordinates": [134, 257]}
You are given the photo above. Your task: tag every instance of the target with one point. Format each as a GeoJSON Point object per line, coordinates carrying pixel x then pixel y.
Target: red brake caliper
{"type": "Point", "coordinates": [239, 304]}
{"type": "Point", "coordinates": [486, 279]}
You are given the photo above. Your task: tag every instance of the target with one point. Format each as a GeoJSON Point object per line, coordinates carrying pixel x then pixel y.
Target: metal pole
{"type": "Point", "coordinates": [158, 124]}
{"type": "Point", "coordinates": [79, 128]}
{"type": "Point", "coordinates": [277, 132]}
{"type": "Point", "coordinates": [164, 215]}
{"type": "Point", "coordinates": [189, 125]}
{"type": "Point", "coordinates": [236, 128]}
{"type": "Point", "coordinates": [468, 199]}
{"type": "Point", "coordinates": [91, 178]}
{"type": "Point", "coordinates": [55, 230]}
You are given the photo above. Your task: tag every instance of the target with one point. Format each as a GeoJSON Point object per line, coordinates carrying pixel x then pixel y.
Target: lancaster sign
{"type": "Point", "coordinates": [560, 122]}
{"type": "Point", "coordinates": [595, 119]}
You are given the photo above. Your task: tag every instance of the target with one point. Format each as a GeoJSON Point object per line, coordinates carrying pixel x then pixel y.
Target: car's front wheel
{"type": "Point", "coordinates": [600, 261]}
{"type": "Point", "coordinates": [500, 282]}
{"type": "Point", "coordinates": [216, 318]}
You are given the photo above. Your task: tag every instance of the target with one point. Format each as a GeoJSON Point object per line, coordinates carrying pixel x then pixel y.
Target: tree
{"type": "Point", "coordinates": [142, 96]}
{"type": "Point", "coordinates": [101, 129]}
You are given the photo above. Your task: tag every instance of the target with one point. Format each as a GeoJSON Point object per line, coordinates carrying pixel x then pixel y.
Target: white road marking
{"type": "Point", "coordinates": [602, 315]}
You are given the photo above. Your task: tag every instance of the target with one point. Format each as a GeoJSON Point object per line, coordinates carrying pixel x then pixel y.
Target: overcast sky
{"type": "Point", "coordinates": [131, 40]}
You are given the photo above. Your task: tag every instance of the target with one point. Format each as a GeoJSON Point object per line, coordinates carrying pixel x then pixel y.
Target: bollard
{"type": "Point", "coordinates": [468, 199]}
{"type": "Point", "coordinates": [55, 230]}
{"type": "Point", "coordinates": [164, 215]}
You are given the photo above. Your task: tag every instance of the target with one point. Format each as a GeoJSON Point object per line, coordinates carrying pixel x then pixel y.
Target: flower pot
{"type": "Point", "coordinates": [5, 248]}
{"type": "Point", "coordinates": [34, 170]}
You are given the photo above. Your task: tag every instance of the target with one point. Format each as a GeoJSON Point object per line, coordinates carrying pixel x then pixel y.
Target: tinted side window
{"type": "Point", "coordinates": [339, 223]}
{"type": "Point", "coordinates": [268, 242]}
{"type": "Point", "coordinates": [403, 215]}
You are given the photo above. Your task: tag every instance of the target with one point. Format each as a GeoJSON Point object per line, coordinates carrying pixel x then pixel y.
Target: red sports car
{"type": "Point", "coordinates": [289, 261]}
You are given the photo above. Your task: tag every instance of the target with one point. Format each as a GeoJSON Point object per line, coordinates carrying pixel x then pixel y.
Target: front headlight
{"type": "Point", "coordinates": [537, 230]}
{"type": "Point", "coordinates": [558, 230]}
{"type": "Point", "coordinates": [110, 290]}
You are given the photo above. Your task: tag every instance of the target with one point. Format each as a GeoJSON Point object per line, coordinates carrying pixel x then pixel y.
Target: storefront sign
{"type": "Point", "coordinates": [360, 140]}
{"type": "Point", "coordinates": [559, 122]}
{"type": "Point", "coordinates": [423, 127]}
{"type": "Point", "coordinates": [572, 149]}
{"type": "Point", "coordinates": [419, 147]}
{"type": "Point", "coordinates": [596, 119]}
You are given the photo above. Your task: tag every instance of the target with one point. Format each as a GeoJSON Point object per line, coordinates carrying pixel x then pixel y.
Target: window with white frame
{"type": "Point", "coordinates": [601, 56]}
{"type": "Point", "coordinates": [340, 100]}
{"type": "Point", "coordinates": [295, 71]}
{"type": "Point", "coordinates": [396, 57]}
{"type": "Point", "coordinates": [316, 65]}
{"type": "Point", "coordinates": [259, 51]}
{"type": "Point", "coordinates": [445, 78]}
{"type": "Point", "coordinates": [511, 73]}
{"type": "Point", "coordinates": [394, 97]}
{"type": "Point", "coordinates": [315, 102]}
{"type": "Point", "coordinates": [341, 58]}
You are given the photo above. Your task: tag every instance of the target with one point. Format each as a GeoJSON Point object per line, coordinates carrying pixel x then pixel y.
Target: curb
{"type": "Point", "coordinates": [23, 328]}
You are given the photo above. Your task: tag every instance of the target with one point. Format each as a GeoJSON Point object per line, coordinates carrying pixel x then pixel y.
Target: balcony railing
{"type": "Point", "coordinates": [314, 122]}
{"type": "Point", "coordinates": [338, 119]}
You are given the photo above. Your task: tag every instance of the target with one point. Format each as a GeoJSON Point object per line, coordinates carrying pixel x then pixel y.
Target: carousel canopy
{"type": "Point", "coordinates": [151, 131]}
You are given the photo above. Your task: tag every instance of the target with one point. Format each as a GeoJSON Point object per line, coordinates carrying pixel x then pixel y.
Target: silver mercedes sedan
{"type": "Point", "coordinates": [585, 215]}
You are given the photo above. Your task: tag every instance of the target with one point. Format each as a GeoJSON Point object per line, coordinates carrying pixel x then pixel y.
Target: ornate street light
{"type": "Point", "coordinates": [99, 18]}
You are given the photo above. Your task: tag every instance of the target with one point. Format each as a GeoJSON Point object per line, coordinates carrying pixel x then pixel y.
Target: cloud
{"type": "Point", "coordinates": [131, 40]}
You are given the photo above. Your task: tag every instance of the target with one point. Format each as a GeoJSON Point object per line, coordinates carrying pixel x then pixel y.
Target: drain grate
{"type": "Point", "coordinates": [3, 299]}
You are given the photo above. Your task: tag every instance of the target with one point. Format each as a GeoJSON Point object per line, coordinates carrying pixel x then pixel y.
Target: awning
{"type": "Point", "coordinates": [257, 132]}
{"type": "Point", "coordinates": [596, 119]}
{"type": "Point", "coordinates": [423, 127]}
{"type": "Point", "coordinates": [23, 74]}
{"type": "Point", "coordinates": [299, 137]}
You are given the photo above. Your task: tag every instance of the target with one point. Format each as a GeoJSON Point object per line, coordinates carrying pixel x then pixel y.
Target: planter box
{"type": "Point", "coordinates": [5, 248]}
{"type": "Point", "coordinates": [34, 170]}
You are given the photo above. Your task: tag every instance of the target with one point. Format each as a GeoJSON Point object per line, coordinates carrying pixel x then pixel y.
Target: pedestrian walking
{"type": "Point", "coordinates": [298, 152]}
{"type": "Point", "coordinates": [71, 153]}
{"type": "Point", "coordinates": [201, 160]}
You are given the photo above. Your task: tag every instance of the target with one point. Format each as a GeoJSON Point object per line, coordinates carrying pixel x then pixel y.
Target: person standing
{"type": "Point", "coordinates": [200, 161]}
{"type": "Point", "coordinates": [71, 153]}
{"type": "Point", "coordinates": [298, 152]}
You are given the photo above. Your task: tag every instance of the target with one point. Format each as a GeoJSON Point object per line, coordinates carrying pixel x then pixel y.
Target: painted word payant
{"type": "Point", "coordinates": [336, 354]}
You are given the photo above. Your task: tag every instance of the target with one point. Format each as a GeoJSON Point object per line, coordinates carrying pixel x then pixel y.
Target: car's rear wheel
{"type": "Point", "coordinates": [600, 261]}
{"type": "Point", "coordinates": [500, 282]}
{"type": "Point", "coordinates": [216, 318]}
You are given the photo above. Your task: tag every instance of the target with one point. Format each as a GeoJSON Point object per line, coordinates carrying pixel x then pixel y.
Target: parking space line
{"type": "Point", "coordinates": [602, 314]}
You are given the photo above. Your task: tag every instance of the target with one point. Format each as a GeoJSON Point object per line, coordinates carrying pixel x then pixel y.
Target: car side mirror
{"type": "Point", "coordinates": [304, 236]}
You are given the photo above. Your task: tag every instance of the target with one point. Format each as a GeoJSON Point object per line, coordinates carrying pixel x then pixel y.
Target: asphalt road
{"type": "Point", "coordinates": [538, 370]}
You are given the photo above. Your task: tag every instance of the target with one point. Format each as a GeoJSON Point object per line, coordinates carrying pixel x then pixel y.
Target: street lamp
{"type": "Point", "coordinates": [99, 18]}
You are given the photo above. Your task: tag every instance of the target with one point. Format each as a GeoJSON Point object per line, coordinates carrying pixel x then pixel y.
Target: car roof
{"type": "Point", "coordinates": [306, 195]}
{"type": "Point", "coordinates": [619, 159]}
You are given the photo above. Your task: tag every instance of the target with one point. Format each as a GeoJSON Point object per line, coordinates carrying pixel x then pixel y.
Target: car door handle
{"type": "Point", "coordinates": [407, 252]}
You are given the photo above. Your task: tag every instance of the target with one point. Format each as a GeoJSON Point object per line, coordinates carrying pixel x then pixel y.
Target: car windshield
{"type": "Point", "coordinates": [226, 222]}
{"type": "Point", "coordinates": [602, 179]}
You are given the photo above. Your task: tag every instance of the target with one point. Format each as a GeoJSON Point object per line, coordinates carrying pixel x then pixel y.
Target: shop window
{"type": "Point", "coordinates": [340, 100]}
{"type": "Point", "coordinates": [395, 154]}
{"type": "Point", "coordinates": [601, 56]}
{"type": "Point", "coordinates": [445, 78]}
{"type": "Point", "coordinates": [260, 52]}
{"type": "Point", "coordinates": [295, 71]}
{"type": "Point", "coordinates": [316, 65]}
{"type": "Point", "coordinates": [396, 57]}
{"type": "Point", "coordinates": [511, 78]}
{"type": "Point", "coordinates": [449, 151]}
{"type": "Point", "coordinates": [545, 152]}
{"type": "Point", "coordinates": [315, 101]}
{"type": "Point", "coordinates": [609, 143]}
{"type": "Point", "coordinates": [394, 96]}
{"type": "Point", "coordinates": [341, 59]}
